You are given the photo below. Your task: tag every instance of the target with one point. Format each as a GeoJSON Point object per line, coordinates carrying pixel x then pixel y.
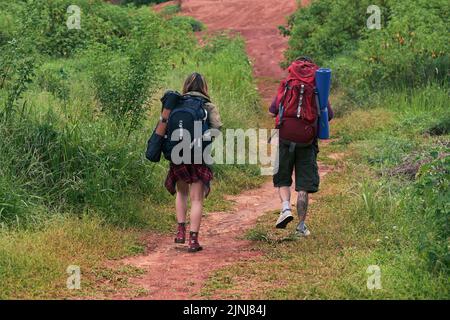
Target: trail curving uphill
{"type": "Point", "coordinates": [257, 21]}
{"type": "Point", "coordinates": [171, 272]}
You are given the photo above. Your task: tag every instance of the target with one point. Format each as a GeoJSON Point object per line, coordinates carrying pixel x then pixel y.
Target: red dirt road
{"type": "Point", "coordinates": [171, 272]}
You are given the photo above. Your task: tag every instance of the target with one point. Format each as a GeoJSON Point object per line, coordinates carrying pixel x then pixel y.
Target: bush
{"type": "Point", "coordinates": [187, 22]}
{"type": "Point", "coordinates": [171, 10]}
{"type": "Point", "coordinates": [409, 51]}
{"type": "Point", "coordinates": [326, 28]}
{"type": "Point", "coordinates": [7, 28]}
{"type": "Point", "coordinates": [123, 83]}
{"type": "Point", "coordinates": [142, 2]}
{"type": "Point", "coordinates": [45, 22]}
{"type": "Point", "coordinates": [54, 79]}
{"type": "Point", "coordinates": [433, 188]}
{"type": "Point", "coordinates": [16, 73]}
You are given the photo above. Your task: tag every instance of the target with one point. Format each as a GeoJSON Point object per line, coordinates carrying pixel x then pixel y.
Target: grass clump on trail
{"type": "Point", "coordinates": [386, 202]}
{"type": "Point", "coordinates": [76, 110]}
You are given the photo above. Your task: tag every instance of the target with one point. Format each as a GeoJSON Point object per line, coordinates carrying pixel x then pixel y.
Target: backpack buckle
{"type": "Point", "coordinates": [300, 101]}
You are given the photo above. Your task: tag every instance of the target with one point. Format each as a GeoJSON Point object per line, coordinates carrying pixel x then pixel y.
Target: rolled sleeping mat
{"type": "Point", "coordinates": [323, 85]}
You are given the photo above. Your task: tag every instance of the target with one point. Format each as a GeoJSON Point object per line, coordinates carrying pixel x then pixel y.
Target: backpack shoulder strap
{"type": "Point", "coordinates": [191, 110]}
{"type": "Point", "coordinates": [281, 105]}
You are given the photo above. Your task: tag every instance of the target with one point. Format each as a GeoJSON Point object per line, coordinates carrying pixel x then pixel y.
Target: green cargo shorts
{"type": "Point", "coordinates": [304, 160]}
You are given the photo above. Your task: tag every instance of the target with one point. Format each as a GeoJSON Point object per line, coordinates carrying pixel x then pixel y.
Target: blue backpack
{"type": "Point", "coordinates": [188, 113]}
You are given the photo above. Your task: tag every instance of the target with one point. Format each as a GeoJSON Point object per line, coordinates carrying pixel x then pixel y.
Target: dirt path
{"type": "Point", "coordinates": [172, 273]}
{"type": "Point", "coordinates": [257, 21]}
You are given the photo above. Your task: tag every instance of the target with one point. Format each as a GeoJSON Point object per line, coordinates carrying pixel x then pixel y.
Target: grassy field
{"type": "Point", "coordinates": [376, 208]}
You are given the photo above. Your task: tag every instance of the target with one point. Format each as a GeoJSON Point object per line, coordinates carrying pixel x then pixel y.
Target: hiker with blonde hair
{"type": "Point", "coordinates": [189, 180]}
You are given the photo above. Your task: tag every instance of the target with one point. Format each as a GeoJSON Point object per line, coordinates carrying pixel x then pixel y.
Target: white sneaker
{"type": "Point", "coordinates": [304, 232]}
{"type": "Point", "coordinates": [284, 219]}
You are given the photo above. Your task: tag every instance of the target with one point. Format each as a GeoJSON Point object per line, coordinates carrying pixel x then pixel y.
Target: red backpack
{"type": "Point", "coordinates": [297, 104]}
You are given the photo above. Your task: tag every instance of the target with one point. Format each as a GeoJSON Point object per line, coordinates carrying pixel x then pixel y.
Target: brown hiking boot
{"type": "Point", "coordinates": [181, 234]}
{"type": "Point", "coordinates": [194, 246]}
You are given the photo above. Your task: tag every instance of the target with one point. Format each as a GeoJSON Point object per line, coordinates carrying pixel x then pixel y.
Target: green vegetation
{"type": "Point", "coordinates": [386, 202]}
{"type": "Point", "coordinates": [410, 49]}
{"type": "Point", "coordinates": [76, 109]}
{"type": "Point", "coordinates": [189, 22]}
{"type": "Point", "coordinates": [77, 106]}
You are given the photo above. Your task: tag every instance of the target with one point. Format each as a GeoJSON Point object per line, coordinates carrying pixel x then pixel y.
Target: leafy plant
{"type": "Point", "coordinates": [171, 10]}
{"type": "Point", "coordinates": [410, 49]}
{"type": "Point", "coordinates": [16, 73]}
{"type": "Point", "coordinates": [124, 83]}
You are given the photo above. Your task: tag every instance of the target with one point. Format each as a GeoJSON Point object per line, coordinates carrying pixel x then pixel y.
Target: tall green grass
{"type": "Point", "coordinates": [406, 202]}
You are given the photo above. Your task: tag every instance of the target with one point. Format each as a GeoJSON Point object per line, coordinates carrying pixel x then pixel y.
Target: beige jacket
{"type": "Point", "coordinates": [213, 112]}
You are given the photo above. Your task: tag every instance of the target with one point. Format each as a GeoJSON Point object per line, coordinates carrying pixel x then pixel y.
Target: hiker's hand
{"type": "Point", "coordinates": [273, 115]}
{"type": "Point", "coordinates": [161, 127]}
{"type": "Point", "coordinates": [170, 99]}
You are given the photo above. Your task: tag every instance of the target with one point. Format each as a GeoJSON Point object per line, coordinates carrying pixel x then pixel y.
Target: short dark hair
{"type": "Point", "coordinates": [304, 58]}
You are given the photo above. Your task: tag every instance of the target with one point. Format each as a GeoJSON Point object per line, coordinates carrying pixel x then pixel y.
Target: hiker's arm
{"type": "Point", "coordinates": [162, 125]}
{"type": "Point", "coordinates": [330, 112]}
{"type": "Point", "coordinates": [273, 110]}
{"type": "Point", "coordinates": [213, 116]}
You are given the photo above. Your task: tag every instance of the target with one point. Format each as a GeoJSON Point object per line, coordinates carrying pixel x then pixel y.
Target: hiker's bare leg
{"type": "Point", "coordinates": [285, 193]}
{"type": "Point", "coordinates": [302, 205]}
{"type": "Point", "coordinates": [182, 201]}
{"type": "Point", "coordinates": [197, 196]}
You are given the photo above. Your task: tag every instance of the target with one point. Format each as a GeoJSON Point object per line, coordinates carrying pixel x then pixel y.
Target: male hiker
{"type": "Point", "coordinates": [296, 112]}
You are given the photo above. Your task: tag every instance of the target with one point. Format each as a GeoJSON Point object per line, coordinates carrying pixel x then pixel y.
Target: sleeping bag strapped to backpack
{"type": "Point", "coordinates": [187, 124]}
{"type": "Point", "coordinates": [297, 104]}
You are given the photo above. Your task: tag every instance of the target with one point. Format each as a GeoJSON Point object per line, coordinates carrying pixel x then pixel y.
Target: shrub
{"type": "Point", "coordinates": [141, 2]}
{"type": "Point", "coordinates": [7, 28]}
{"type": "Point", "coordinates": [433, 187]}
{"type": "Point", "coordinates": [326, 28]}
{"type": "Point", "coordinates": [187, 22]}
{"type": "Point", "coordinates": [123, 83]}
{"type": "Point", "coordinates": [409, 51]}
{"type": "Point", "coordinates": [171, 10]}
{"type": "Point", "coordinates": [45, 23]}
{"type": "Point", "coordinates": [16, 73]}
{"type": "Point", "coordinates": [54, 80]}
